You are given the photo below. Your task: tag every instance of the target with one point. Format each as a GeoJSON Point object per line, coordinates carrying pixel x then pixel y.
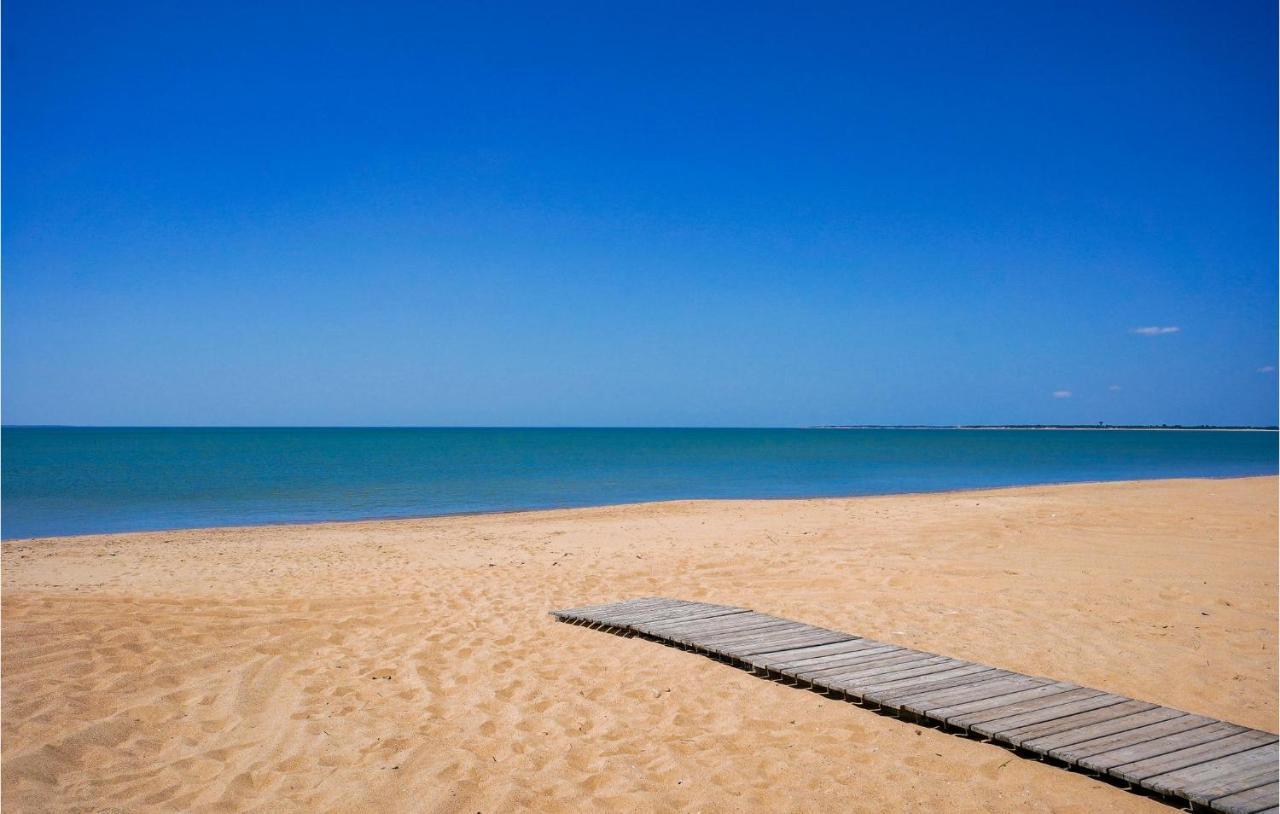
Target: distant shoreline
{"type": "Point", "coordinates": [1111, 427]}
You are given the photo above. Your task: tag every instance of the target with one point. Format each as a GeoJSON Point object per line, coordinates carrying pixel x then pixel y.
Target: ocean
{"type": "Point", "coordinates": [61, 481]}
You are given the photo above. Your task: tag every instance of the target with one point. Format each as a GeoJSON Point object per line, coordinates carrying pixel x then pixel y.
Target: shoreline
{"type": "Point", "coordinates": [572, 507]}
{"type": "Point", "coordinates": [411, 665]}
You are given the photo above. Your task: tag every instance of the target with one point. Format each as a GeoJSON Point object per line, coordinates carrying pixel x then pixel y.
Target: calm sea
{"type": "Point", "coordinates": [59, 481]}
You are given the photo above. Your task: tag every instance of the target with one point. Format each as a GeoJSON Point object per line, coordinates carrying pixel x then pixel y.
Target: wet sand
{"type": "Point", "coordinates": [410, 665]}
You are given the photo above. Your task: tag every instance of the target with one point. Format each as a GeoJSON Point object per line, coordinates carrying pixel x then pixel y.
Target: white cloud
{"type": "Point", "coordinates": [1115, 388]}
{"type": "Point", "coordinates": [1062, 394]}
{"type": "Point", "coordinates": [1155, 330]}
{"type": "Point", "coordinates": [1267, 369]}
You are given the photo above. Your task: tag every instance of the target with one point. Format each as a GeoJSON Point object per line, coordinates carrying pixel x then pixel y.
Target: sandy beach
{"type": "Point", "coordinates": [411, 665]}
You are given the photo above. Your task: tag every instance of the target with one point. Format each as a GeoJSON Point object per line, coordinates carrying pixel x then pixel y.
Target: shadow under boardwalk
{"type": "Point", "coordinates": [1182, 758]}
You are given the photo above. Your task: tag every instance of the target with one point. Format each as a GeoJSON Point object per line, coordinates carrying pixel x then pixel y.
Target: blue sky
{"type": "Point", "coordinates": [639, 214]}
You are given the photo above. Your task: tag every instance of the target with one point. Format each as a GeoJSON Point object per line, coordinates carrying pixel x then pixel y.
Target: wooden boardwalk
{"type": "Point", "coordinates": [1189, 759]}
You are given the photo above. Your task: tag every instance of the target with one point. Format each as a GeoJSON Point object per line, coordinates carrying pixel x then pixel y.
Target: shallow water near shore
{"type": "Point", "coordinates": [63, 481]}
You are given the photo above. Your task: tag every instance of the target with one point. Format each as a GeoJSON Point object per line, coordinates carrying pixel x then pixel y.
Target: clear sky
{"type": "Point", "coordinates": [639, 213]}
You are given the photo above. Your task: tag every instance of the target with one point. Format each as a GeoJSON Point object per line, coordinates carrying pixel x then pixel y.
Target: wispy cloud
{"type": "Point", "coordinates": [1115, 388]}
{"type": "Point", "coordinates": [1062, 394]}
{"type": "Point", "coordinates": [1267, 369]}
{"type": "Point", "coordinates": [1155, 330]}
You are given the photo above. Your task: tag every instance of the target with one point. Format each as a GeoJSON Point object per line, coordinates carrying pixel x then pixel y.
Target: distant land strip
{"type": "Point", "coordinates": [1098, 426]}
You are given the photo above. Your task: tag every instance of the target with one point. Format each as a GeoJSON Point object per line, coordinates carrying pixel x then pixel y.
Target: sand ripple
{"type": "Point", "coordinates": [410, 665]}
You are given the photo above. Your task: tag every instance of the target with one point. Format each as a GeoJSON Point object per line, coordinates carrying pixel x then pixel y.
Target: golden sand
{"type": "Point", "coordinates": [410, 665]}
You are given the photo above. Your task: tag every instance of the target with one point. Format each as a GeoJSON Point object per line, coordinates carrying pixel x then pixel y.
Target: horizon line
{"type": "Point", "coordinates": [960, 426]}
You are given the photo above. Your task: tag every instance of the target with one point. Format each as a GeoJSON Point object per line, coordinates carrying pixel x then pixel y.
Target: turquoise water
{"type": "Point", "coordinates": [59, 481]}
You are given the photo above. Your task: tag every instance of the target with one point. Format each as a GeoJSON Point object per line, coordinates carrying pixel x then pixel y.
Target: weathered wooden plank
{"type": "Point", "coordinates": [884, 655]}
{"type": "Point", "coordinates": [1207, 781]}
{"type": "Point", "coordinates": [998, 726]}
{"type": "Point", "coordinates": [1140, 770]}
{"type": "Point", "coordinates": [926, 670]}
{"type": "Point", "coordinates": [884, 692]}
{"type": "Point", "coordinates": [621, 618]}
{"type": "Point", "coordinates": [716, 626]}
{"type": "Point", "coordinates": [1046, 742]}
{"type": "Point", "coordinates": [1008, 710]}
{"type": "Point", "coordinates": [807, 667]}
{"type": "Point", "coordinates": [1162, 745]}
{"type": "Point", "coordinates": [808, 654]}
{"type": "Point", "coordinates": [664, 607]}
{"type": "Point", "coordinates": [730, 645]}
{"type": "Point", "coordinates": [1006, 684]}
{"type": "Point", "coordinates": [942, 714]}
{"type": "Point", "coordinates": [840, 649]}
{"type": "Point", "coordinates": [699, 638]}
{"type": "Point", "coordinates": [688, 612]}
{"type": "Point", "coordinates": [677, 624]}
{"type": "Point", "coordinates": [790, 631]}
{"type": "Point", "coordinates": [675, 627]}
{"type": "Point", "coordinates": [1072, 723]}
{"type": "Point", "coordinates": [883, 672]}
{"type": "Point", "coordinates": [620, 610]}
{"type": "Point", "coordinates": [781, 645]}
{"type": "Point", "coordinates": [801, 627]}
{"type": "Point", "coordinates": [713, 637]}
{"type": "Point", "coordinates": [806, 629]}
{"type": "Point", "coordinates": [1073, 753]}
{"type": "Point", "coordinates": [895, 658]}
{"type": "Point", "coordinates": [1249, 800]}
{"type": "Point", "coordinates": [894, 697]}
{"type": "Point", "coordinates": [769, 628]}
{"type": "Point", "coordinates": [690, 615]}
{"type": "Point", "coordinates": [1225, 767]}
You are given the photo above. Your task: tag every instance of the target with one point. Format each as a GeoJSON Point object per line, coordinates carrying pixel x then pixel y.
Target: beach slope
{"type": "Point", "coordinates": [411, 665]}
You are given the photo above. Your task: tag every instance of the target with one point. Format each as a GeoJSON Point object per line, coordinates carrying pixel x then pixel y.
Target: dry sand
{"type": "Point", "coordinates": [411, 666]}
